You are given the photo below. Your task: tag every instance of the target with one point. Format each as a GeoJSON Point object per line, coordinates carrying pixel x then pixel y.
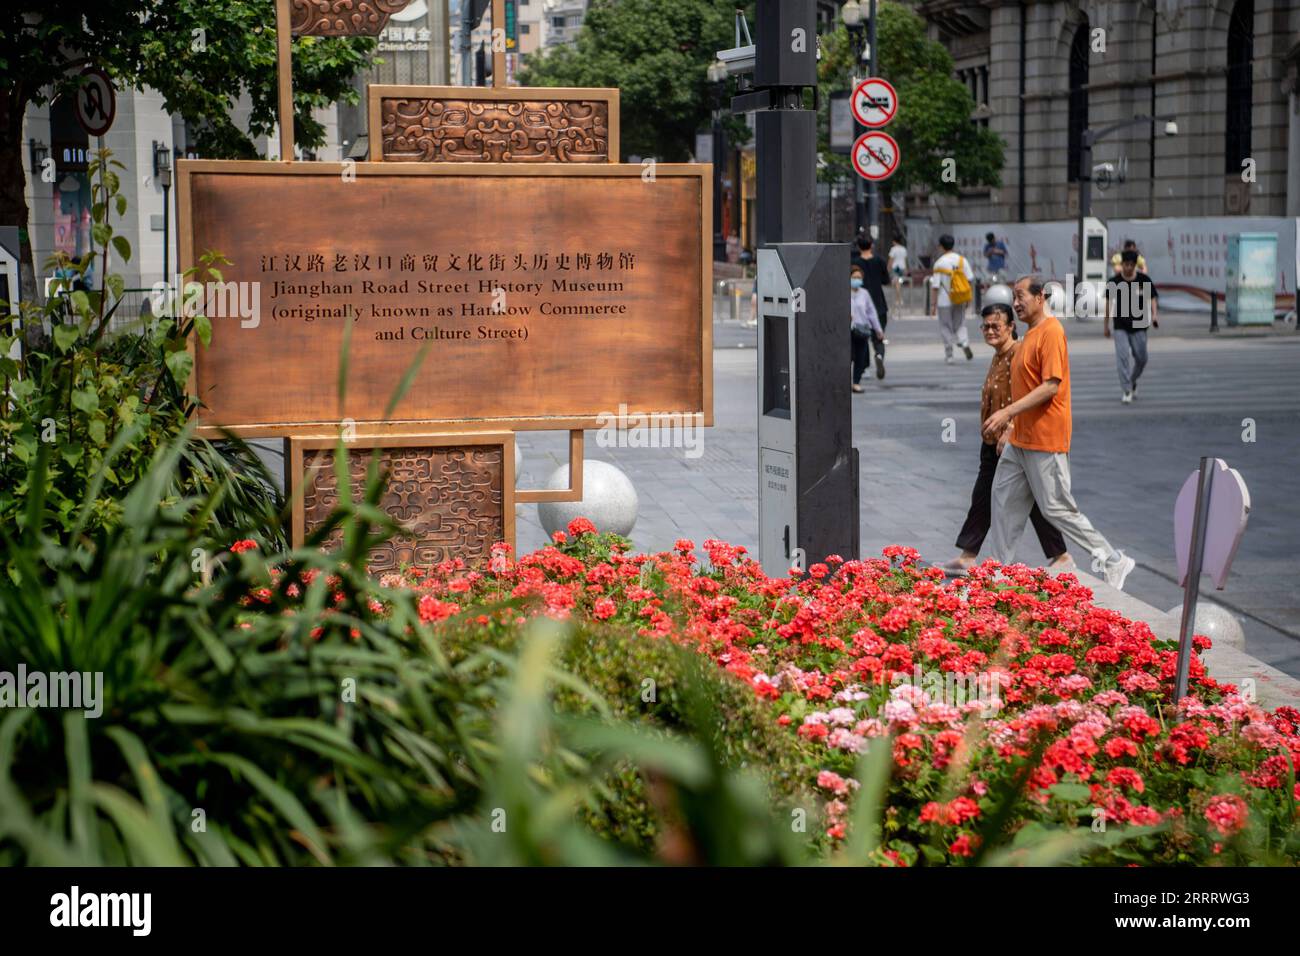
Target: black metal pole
{"type": "Point", "coordinates": [859, 186]}
{"type": "Point", "coordinates": [167, 257]}
{"type": "Point", "coordinates": [719, 159]}
{"type": "Point", "coordinates": [873, 189]}
{"type": "Point", "coordinates": [1085, 197]}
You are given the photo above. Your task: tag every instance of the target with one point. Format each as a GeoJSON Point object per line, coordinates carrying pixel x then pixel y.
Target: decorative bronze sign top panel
{"type": "Point", "coordinates": [549, 296]}
{"type": "Point", "coordinates": [342, 18]}
{"type": "Point", "coordinates": [440, 124]}
{"type": "Point", "coordinates": [476, 131]}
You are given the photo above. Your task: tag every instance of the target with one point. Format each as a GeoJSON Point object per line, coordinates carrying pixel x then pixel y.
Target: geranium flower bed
{"type": "Point", "coordinates": [1008, 677]}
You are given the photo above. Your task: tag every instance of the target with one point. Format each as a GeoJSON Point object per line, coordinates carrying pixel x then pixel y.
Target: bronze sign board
{"type": "Point", "coordinates": [548, 295]}
{"type": "Point", "coordinates": [462, 124]}
{"type": "Point", "coordinates": [452, 494]}
{"type": "Point", "coordinates": [342, 18]}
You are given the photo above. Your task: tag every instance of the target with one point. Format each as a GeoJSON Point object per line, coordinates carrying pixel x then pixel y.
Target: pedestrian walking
{"type": "Point", "coordinates": [995, 254]}
{"type": "Point", "coordinates": [1130, 245]}
{"type": "Point", "coordinates": [1131, 299]}
{"type": "Point", "coordinates": [898, 268]}
{"type": "Point", "coordinates": [951, 276]}
{"type": "Point", "coordinates": [998, 325]}
{"type": "Point", "coordinates": [875, 277]}
{"type": "Point", "coordinates": [865, 330]}
{"type": "Point", "coordinates": [1034, 468]}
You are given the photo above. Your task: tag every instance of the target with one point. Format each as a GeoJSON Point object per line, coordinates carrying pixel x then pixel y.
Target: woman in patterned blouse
{"type": "Point", "coordinates": [998, 324]}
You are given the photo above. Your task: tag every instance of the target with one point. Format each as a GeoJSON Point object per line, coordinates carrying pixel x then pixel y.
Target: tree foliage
{"type": "Point", "coordinates": [657, 52]}
{"type": "Point", "coordinates": [933, 122]}
{"type": "Point", "coordinates": [202, 56]}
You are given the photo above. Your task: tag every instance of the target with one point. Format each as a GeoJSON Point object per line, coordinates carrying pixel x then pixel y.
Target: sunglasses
{"type": "Point", "coordinates": [992, 326]}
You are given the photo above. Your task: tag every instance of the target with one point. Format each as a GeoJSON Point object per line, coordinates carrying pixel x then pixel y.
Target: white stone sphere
{"type": "Point", "coordinates": [997, 294]}
{"type": "Point", "coordinates": [608, 500]}
{"type": "Point", "coordinates": [1216, 622]}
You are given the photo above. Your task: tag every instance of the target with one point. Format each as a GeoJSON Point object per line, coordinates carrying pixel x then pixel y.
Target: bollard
{"type": "Point", "coordinates": [1214, 312]}
{"type": "Point", "coordinates": [927, 297]}
{"type": "Point", "coordinates": [979, 295]}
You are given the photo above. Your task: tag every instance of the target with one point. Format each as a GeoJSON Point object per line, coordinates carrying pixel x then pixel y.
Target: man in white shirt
{"type": "Point", "coordinates": [951, 315]}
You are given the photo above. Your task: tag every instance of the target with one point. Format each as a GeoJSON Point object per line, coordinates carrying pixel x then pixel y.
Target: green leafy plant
{"type": "Point", "coordinates": [79, 390]}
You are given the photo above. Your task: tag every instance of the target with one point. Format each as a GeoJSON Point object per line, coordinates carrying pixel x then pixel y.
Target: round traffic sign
{"type": "Point", "coordinates": [96, 102]}
{"type": "Point", "coordinates": [875, 155]}
{"type": "Point", "coordinates": [875, 102]}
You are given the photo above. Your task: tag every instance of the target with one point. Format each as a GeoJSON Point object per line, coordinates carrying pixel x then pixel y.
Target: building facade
{"type": "Point", "coordinates": [58, 193]}
{"type": "Point", "coordinates": [1043, 71]}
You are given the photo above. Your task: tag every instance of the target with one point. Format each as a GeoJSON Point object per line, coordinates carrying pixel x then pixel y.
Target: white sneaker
{"type": "Point", "coordinates": [1127, 398]}
{"type": "Point", "coordinates": [1117, 573]}
{"type": "Point", "coordinates": [949, 360]}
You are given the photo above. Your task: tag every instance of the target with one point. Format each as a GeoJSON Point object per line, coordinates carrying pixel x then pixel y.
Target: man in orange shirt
{"type": "Point", "coordinates": [1035, 466]}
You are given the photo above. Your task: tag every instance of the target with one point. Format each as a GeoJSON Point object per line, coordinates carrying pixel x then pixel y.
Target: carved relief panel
{"type": "Point", "coordinates": [452, 495]}
{"type": "Point", "coordinates": [461, 125]}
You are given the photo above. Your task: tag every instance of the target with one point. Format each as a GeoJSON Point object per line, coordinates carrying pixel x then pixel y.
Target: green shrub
{"type": "Point", "coordinates": [645, 681]}
{"type": "Point", "coordinates": [81, 391]}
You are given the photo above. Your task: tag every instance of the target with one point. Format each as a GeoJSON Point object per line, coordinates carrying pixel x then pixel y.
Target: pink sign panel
{"type": "Point", "coordinates": [1225, 523]}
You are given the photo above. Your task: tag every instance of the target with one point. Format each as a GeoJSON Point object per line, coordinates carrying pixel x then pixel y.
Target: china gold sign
{"type": "Point", "coordinates": [546, 295]}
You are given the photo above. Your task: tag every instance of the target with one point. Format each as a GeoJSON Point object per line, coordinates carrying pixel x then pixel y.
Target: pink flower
{"type": "Point", "coordinates": [1227, 814]}
{"type": "Point", "coordinates": [832, 781]}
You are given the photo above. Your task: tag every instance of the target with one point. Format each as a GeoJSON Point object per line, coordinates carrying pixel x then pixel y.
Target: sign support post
{"type": "Point", "coordinates": [1192, 585]}
{"type": "Point", "coordinates": [499, 78]}
{"type": "Point", "coordinates": [284, 74]}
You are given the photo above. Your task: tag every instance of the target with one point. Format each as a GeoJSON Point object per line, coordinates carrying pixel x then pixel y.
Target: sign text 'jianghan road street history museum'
{"type": "Point", "coordinates": [544, 294]}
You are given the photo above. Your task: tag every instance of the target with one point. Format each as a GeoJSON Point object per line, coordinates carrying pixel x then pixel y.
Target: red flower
{"type": "Point", "coordinates": [1126, 777]}
{"type": "Point", "coordinates": [581, 526]}
{"type": "Point", "coordinates": [964, 845]}
{"type": "Point", "coordinates": [247, 544]}
{"type": "Point", "coordinates": [604, 609]}
{"type": "Point", "coordinates": [1121, 747]}
{"type": "Point", "coordinates": [431, 609]}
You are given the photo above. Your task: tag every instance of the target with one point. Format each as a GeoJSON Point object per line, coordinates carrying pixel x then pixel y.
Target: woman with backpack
{"type": "Point", "coordinates": [951, 276]}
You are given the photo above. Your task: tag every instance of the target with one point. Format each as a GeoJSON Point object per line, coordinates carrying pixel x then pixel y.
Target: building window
{"type": "Point", "coordinates": [1241, 42]}
{"type": "Point", "coordinates": [557, 22]}
{"type": "Point", "coordinates": [525, 28]}
{"type": "Point", "coordinates": [1078, 118]}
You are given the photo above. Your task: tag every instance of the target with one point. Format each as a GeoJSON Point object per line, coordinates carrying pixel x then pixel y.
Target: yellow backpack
{"type": "Point", "coordinates": [959, 290]}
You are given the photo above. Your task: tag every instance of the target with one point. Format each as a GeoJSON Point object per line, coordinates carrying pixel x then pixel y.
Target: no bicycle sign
{"type": "Point", "coordinates": [875, 155]}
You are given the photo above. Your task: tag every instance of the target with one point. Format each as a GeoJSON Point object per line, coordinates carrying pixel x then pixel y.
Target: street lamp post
{"type": "Point", "coordinates": [162, 172]}
{"type": "Point", "coordinates": [717, 74]}
{"type": "Point", "coordinates": [1090, 138]}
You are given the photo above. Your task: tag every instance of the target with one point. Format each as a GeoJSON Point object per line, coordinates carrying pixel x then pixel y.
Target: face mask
{"type": "Point", "coordinates": [856, 283]}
